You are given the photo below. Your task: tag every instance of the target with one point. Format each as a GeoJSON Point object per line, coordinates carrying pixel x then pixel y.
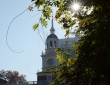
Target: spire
{"type": "Point", "coordinates": [52, 28]}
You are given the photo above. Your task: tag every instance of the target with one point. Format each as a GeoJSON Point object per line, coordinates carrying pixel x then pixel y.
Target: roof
{"type": "Point", "coordinates": [52, 36]}
{"type": "Point", "coordinates": [62, 42]}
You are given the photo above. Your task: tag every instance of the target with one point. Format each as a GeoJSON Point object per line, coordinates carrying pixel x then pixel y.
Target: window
{"type": "Point", "coordinates": [49, 78]}
{"type": "Point", "coordinates": [50, 44]}
{"type": "Point", "coordinates": [54, 44]}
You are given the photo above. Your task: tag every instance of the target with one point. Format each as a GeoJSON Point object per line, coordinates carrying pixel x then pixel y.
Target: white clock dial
{"type": "Point", "coordinates": [50, 61]}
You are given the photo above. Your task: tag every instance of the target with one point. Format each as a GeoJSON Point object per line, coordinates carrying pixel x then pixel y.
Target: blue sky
{"type": "Point", "coordinates": [22, 37]}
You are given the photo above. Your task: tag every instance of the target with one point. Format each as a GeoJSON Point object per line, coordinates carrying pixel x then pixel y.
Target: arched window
{"type": "Point", "coordinates": [50, 44]}
{"type": "Point", "coordinates": [54, 44]}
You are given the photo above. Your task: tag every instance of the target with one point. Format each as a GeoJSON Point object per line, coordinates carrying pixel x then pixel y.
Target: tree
{"type": "Point", "coordinates": [91, 65]}
{"type": "Point", "coordinates": [12, 76]}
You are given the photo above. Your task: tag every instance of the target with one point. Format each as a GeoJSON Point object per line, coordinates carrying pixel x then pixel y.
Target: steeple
{"type": "Point", "coordinates": [52, 28]}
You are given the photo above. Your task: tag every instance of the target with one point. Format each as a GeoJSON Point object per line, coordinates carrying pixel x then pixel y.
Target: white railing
{"type": "Point", "coordinates": [25, 83]}
{"type": "Point", "coordinates": [42, 82]}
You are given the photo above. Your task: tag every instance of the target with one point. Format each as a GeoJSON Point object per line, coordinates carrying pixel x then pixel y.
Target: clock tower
{"type": "Point", "coordinates": [48, 58]}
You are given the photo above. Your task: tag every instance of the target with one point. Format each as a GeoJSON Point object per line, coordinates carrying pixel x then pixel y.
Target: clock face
{"type": "Point", "coordinates": [50, 61]}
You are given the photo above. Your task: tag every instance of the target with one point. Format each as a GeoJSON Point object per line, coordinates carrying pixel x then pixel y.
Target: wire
{"type": "Point", "coordinates": [9, 29]}
{"type": "Point", "coordinates": [29, 70]}
{"type": "Point", "coordinates": [43, 33]}
{"type": "Point", "coordinates": [38, 43]}
{"type": "Point", "coordinates": [41, 36]}
{"type": "Point", "coordinates": [34, 15]}
{"type": "Point", "coordinates": [39, 33]}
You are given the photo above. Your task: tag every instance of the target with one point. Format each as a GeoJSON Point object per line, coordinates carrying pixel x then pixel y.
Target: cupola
{"type": "Point", "coordinates": [52, 39]}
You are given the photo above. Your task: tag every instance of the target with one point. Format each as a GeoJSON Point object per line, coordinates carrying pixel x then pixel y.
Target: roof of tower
{"type": "Point", "coordinates": [52, 36]}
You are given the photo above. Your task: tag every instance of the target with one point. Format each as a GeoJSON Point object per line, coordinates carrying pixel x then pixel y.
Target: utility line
{"type": "Point", "coordinates": [34, 15]}
{"type": "Point", "coordinates": [41, 37]}
{"type": "Point", "coordinates": [9, 29]}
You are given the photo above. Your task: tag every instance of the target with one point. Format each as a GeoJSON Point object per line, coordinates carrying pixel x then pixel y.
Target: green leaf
{"type": "Point", "coordinates": [46, 11]}
{"type": "Point", "coordinates": [67, 33]}
{"type": "Point", "coordinates": [43, 21]}
{"type": "Point", "coordinates": [35, 26]}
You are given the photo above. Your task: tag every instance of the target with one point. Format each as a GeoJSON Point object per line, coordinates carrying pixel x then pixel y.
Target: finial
{"type": "Point", "coordinates": [52, 20]}
{"type": "Point", "coordinates": [52, 28]}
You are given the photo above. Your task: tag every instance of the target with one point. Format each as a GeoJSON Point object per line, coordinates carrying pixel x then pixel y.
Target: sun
{"type": "Point", "coordinates": [76, 6]}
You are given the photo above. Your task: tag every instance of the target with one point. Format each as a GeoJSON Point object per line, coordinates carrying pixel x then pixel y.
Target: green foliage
{"type": "Point", "coordinates": [91, 64]}
{"type": "Point", "coordinates": [59, 55]}
{"type": "Point", "coordinates": [47, 11]}
{"type": "Point", "coordinates": [43, 21]}
{"type": "Point", "coordinates": [35, 26]}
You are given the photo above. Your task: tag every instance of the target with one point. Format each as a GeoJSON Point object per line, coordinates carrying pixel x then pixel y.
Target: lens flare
{"type": "Point", "coordinates": [76, 6]}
